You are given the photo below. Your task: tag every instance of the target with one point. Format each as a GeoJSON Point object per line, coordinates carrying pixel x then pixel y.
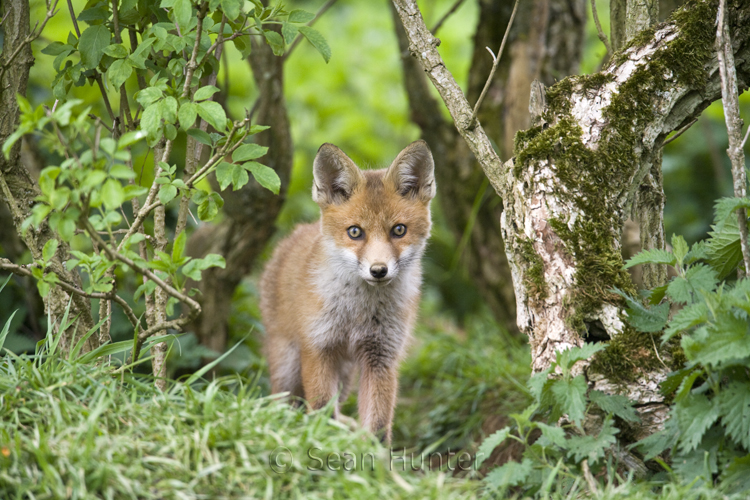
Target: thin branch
{"type": "Point", "coordinates": [599, 30]}
{"type": "Point", "coordinates": [73, 17]}
{"type": "Point", "coordinates": [496, 60]}
{"type": "Point", "coordinates": [730, 100]}
{"type": "Point", "coordinates": [25, 270]}
{"type": "Point", "coordinates": [445, 17]}
{"type": "Point", "coordinates": [299, 37]}
{"type": "Point", "coordinates": [194, 57]}
{"type": "Point", "coordinates": [744, 141]}
{"type": "Point", "coordinates": [681, 131]}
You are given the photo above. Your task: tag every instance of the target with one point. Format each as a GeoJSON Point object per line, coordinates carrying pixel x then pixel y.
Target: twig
{"type": "Point", "coordinates": [30, 37]}
{"type": "Point", "coordinates": [680, 132]}
{"type": "Point", "coordinates": [496, 59]}
{"type": "Point", "coordinates": [730, 100]}
{"type": "Point", "coordinates": [26, 271]}
{"type": "Point", "coordinates": [747, 134]}
{"type": "Point", "coordinates": [593, 487]}
{"type": "Point", "coordinates": [448, 14]}
{"type": "Point", "coordinates": [298, 38]}
{"type": "Point", "coordinates": [73, 17]}
{"type": "Point", "coordinates": [194, 56]}
{"type": "Point", "coordinates": [599, 30]}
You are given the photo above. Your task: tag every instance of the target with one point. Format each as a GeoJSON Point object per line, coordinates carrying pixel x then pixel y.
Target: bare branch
{"type": "Point", "coordinates": [496, 60]}
{"type": "Point", "coordinates": [599, 30]}
{"type": "Point", "coordinates": [730, 100]}
{"type": "Point", "coordinates": [445, 17]}
{"type": "Point", "coordinates": [681, 131]}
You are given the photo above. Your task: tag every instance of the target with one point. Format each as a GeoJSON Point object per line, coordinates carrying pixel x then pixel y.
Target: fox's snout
{"type": "Point", "coordinates": [378, 271]}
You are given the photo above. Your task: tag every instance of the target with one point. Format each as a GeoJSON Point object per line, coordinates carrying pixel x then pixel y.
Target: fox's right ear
{"type": "Point", "coordinates": [335, 176]}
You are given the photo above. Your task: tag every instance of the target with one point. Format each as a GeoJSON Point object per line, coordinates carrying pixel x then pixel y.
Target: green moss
{"type": "Point", "coordinates": [594, 179]}
{"type": "Point", "coordinates": [536, 287]}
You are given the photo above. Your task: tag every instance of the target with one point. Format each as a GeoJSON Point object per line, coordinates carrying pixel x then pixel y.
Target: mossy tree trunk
{"type": "Point", "coordinates": [573, 182]}
{"type": "Point", "coordinates": [18, 188]}
{"type": "Point", "coordinates": [545, 43]}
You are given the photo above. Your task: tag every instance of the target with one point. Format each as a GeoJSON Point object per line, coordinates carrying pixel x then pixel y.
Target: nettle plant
{"type": "Point", "coordinates": [707, 436]}
{"type": "Point", "coordinates": [172, 54]}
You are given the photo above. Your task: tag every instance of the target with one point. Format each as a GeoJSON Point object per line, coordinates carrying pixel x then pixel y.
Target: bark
{"type": "Point", "coordinates": [572, 184]}
{"type": "Point", "coordinates": [251, 211]}
{"type": "Point", "coordinates": [18, 186]}
{"type": "Point", "coordinates": [545, 43]}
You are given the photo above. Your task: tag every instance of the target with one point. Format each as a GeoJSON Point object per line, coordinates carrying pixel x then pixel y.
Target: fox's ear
{"type": "Point", "coordinates": [335, 176]}
{"type": "Point", "coordinates": [413, 172]}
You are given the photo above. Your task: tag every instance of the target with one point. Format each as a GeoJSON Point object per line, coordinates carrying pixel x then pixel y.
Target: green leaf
{"type": "Point", "coordinates": [658, 442]}
{"type": "Point", "coordinates": [118, 72]}
{"type": "Point", "coordinates": [642, 318]}
{"type": "Point", "coordinates": [726, 341]}
{"type": "Point", "coordinates": [200, 136]}
{"type": "Point", "coordinates": [300, 16]}
{"type": "Point", "coordinates": [193, 268]}
{"type": "Point", "coordinates": [151, 123]}
{"type": "Point", "coordinates": [275, 41]}
{"type": "Point", "coordinates": [130, 138]}
{"type": "Point", "coordinates": [654, 256]}
{"type": "Point", "coordinates": [231, 8]}
{"type": "Point", "coordinates": [183, 11]}
{"type": "Point", "coordinates": [489, 444]}
{"type": "Point", "coordinates": [317, 41]}
{"type": "Point", "coordinates": [723, 249]}
{"type": "Point", "coordinates": [214, 114]}
{"type": "Point", "coordinates": [687, 317]}
{"type": "Point", "coordinates": [239, 177]}
{"type": "Point", "coordinates": [205, 92]}
{"type": "Point", "coordinates": [553, 434]}
{"type": "Point", "coordinates": [210, 206]}
{"type": "Point", "coordinates": [570, 396]}
{"type": "Point", "coordinates": [265, 176]}
{"type": "Point", "coordinates": [112, 194]}
{"type": "Point", "coordinates": [148, 96]}
{"type": "Point", "coordinates": [728, 206]}
{"type": "Point", "coordinates": [289, 32]}
{"type": "Point", "coordinates": [247, 152]}
{"type": "Point", "coordinates": [48, 252]}
{"type": "Point", "coordinates": [695, 414]}
{"type": "Point", "coordinates": [92, 44]}
{"type": "Point", "coordinates": [686, 289]}
{"type": "Point", "coordinates": [187, 114]}
{"type": "Point", "coordinates": [615, 404]}
{"type": "Point", "coordinates": [593, 447]}
{"type": "Point", "coordinates": [120, 171]}
{"type": "Point", "coordinates": [178, 250]}
{"type": "Point", "coordinates": [734, 404]}
{"type": "Point", "coordinates": [679, 248]}
{"type": "Point", "coordinates": [116, 50]}
{"type": "Point", "coordinates": [569, 357]}
{"type": "Point", "coordinates": [167, 193]}
{"type": "Point", "coordinates": [510, 474]}
{"type": "Point", "coordinates": [224, 174]}
{"type": "Point", "coordinates": [56, 48]}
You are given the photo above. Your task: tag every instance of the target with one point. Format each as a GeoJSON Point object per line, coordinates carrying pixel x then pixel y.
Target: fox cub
{"type": "Point", "coordinates": [342, 293]}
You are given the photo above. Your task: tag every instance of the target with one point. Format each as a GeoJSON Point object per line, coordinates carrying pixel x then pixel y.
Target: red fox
{"type": "Point", "coordinates": [342, 294]}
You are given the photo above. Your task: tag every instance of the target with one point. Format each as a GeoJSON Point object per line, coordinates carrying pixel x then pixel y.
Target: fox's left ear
{"type": "Point", "coordinates": [413, 172]}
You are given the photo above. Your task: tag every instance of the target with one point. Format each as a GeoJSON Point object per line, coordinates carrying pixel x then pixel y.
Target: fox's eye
{"type": "Point", "coordinates": [398, 230]}
{"type": "Point", "coordinates": [355, 232]}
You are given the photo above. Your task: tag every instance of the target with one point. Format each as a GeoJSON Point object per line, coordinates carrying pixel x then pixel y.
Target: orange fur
{"type": "Point", "coordinates": [333, 302]}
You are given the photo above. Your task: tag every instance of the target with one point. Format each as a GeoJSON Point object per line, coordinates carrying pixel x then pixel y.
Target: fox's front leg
{"type": "Point", "coordinates": [377, 397]}
{"type": "Point", "coordinates": [320, 377]}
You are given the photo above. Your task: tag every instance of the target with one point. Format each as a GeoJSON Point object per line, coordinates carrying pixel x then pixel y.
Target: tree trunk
{"type": "Point", "coordinates": [18, 187]}
{"type": "Point", "coordinates": [573, 182]}
{"type": "Point", "coordinates": [545, 43]}
{"type": "Point", "coordinates": [251, 211]}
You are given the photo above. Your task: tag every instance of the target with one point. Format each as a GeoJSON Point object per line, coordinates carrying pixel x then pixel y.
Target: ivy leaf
{"type": "Point", "coordinates": [654, 256]}
{"type": "Point", "coordinates": [734, 403]}
{"type": "Point", "coordinates": [695, 414]}
{"type": "Point", "coordinates": [300, 16]}
{"type": "Point", "coordinates": [317, 41]}
{"type": "Point", "coordinates": [617, 405]}
{"type": "Point", "coordinates": [570, 395]}
{"type": "Point", "coordinates": [265, 176]}
{"type": "Point", "coordinates": [214, 114]}
{"type": "Point", "coordinates": [489, 444]}
{"type": "Point", "coordinates": [92, 44]}
{"type": "Point", "coordinates": [118, 72]}
{"type": "Point", "coordinates": [247, 152]}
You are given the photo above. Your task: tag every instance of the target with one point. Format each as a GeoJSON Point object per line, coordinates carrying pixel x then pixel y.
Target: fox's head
{"type": "Point", "coordinates": [375, 221]}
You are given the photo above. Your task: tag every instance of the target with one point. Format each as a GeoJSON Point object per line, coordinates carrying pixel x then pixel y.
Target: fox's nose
{"type": "Point", "coordinates": [378, 270]}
